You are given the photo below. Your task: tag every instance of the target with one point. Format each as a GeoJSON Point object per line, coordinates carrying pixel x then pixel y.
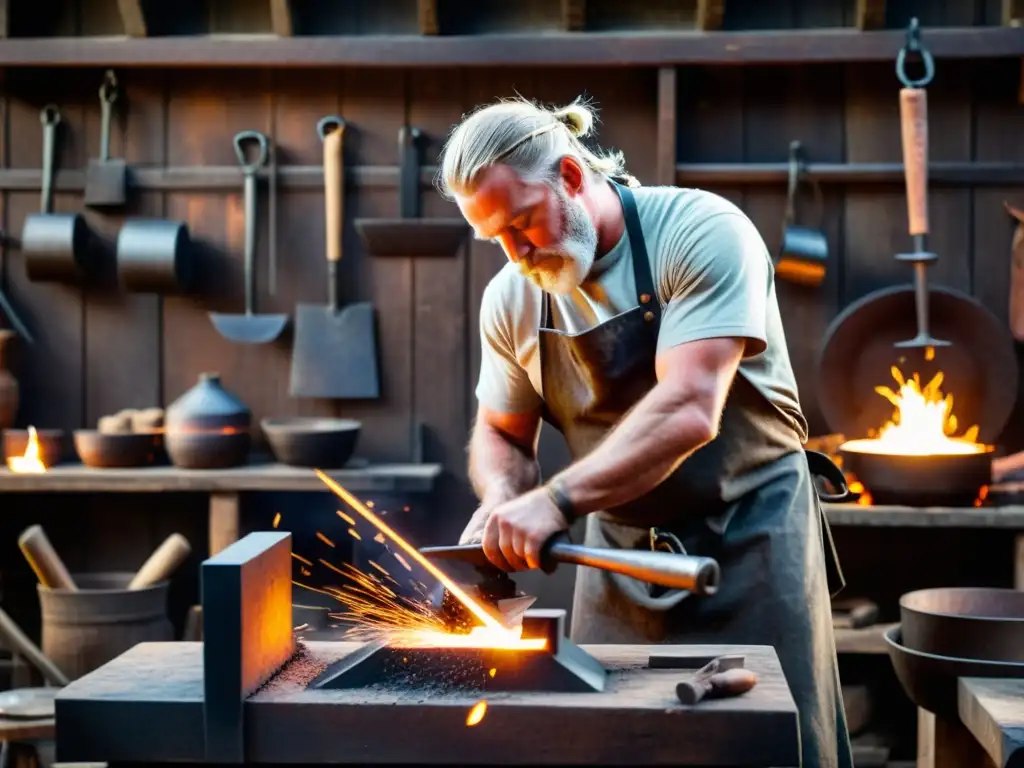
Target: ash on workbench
{"type": "Point", "coordinates": [298, 671]}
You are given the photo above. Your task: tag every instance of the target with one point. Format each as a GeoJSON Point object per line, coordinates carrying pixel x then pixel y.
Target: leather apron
{"type": "Point", "coordinates": [769, 538]}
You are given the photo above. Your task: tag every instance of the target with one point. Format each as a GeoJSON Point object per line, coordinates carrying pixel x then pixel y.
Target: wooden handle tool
{"type": "Point", "coordinates": [17, 642]}
{"type": "Point", "coordinates": [731, 682]}
{"type": "Point", "coordinates": [914, 132]}
{"type": "Point", "coordinates": [334, 190]}
{"type": "Point", "coordinates": [44, 559]}
{"type": "Point", "coordinates": [163, 562]}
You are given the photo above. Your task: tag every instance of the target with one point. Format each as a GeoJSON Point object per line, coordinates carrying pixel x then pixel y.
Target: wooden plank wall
{"type": "Point", "coordinates": [99, 350]}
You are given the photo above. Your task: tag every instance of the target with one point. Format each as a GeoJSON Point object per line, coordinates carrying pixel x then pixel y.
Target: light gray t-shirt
{"type": "Point", "coordinates": [714, 278]}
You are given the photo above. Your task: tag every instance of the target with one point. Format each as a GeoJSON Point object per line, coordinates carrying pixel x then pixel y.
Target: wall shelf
{"type": "Point", "coordinates": [568, 49]}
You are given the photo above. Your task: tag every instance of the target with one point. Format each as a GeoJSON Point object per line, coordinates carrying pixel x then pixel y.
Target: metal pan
{"type": "Point", "coordinates": [979, 367]}
{"type": "Point", "coordinates": [55, 245]}
{"type": "Point", "coordinates": [965, 622]}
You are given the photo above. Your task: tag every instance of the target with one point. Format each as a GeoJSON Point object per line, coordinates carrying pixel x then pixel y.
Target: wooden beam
{"type": "Point", "coordinates": [710, 14]}
{"type": "Point", "coordinates": [132, 17]}
{"type": "Point", "coordinates": [667, 132]}
{"type": "Point", "coordinates": [558, 49]}
{"type": "Point", "coordinates": [426, 11]}
{"type": "Point", "coordinates": [574, 15]}
{"type": "Point", "coordinates": [869, 14]}
{"type": "Point", "coordinates": [281, 20]}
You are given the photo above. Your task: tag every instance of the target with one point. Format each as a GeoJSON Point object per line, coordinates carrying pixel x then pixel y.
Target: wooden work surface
{"type": "Point", "coordinates": [992, 709]}
{"type": "Point", "coordinates": [75, 478]}
{"type": "Point", "coordinates": [147, 706]}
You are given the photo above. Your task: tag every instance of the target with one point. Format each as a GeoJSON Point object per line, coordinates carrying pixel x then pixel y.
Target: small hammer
{"type": "Point", "coordinates": [719, 678]}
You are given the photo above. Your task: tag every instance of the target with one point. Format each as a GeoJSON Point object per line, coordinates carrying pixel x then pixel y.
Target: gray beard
{"type": "Point", "coordinates": [576, 253]}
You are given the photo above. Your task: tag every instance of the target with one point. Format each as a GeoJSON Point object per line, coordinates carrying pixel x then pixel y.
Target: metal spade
{"type": "Point", "coordinates": [250, 328]}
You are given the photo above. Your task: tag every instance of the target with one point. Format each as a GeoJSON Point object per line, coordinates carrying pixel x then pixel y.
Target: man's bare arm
{"type": "Point", "coordinates": [503, 455]}
{"type": "Point", "coordinates": [679, 415]}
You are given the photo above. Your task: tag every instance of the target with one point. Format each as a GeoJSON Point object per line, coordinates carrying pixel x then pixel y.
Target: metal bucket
{"type": "Point", "coordinates": [82, 630]}
{"type": "Point", "coordinates": [154, 256]}
{"type": "Point", "coordinates": [55, 245]}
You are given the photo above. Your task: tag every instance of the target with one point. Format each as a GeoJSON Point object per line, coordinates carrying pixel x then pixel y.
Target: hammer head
{"type": "Point", "coordinates": [492, 587]}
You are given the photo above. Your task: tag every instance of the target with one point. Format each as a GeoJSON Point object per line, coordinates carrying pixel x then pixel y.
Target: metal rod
{"type": "Point", "coordinates": [699, 575]}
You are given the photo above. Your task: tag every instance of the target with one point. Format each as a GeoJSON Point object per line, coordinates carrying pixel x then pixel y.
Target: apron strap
{"type": "Point", "coordinates": [642, 276]}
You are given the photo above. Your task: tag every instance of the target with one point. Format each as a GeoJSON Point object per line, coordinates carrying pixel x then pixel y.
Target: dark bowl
{"type": "Point", "coordinates": [108, 450]}
{"type": "Point", "coordinates": [312, 442]}
{"type": "Point", "coordinates": [930, 680]}
{"type": "Point", "coordinates": [207, 450]}
{"type": "Point", "coordinates": [965, 622]}
{"type": "Point", "coordinates": [51, 444]}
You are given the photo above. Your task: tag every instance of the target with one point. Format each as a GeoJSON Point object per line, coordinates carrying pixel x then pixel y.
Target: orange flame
{"type": "Point", "coordinates": [476, 714]}
{"type": "Point", "coordinates": [30, 462]}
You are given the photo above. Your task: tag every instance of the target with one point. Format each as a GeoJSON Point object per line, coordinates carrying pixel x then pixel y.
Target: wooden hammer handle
{"type": "Point", "coordinates": [914, 132]}
{"type": "Point", "coordinates": [44, 559]}
{"type": "Point", "coordinates": [163, 562]}
{"type": "Point", "coordinates": [731, 682]}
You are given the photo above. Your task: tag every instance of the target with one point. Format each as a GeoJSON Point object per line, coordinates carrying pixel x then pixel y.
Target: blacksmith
{"type": "Point", "coordinates": [642, 323]}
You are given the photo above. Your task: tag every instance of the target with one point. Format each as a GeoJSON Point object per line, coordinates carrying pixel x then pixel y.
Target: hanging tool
{"type": "Point", "coordinates": [722, 677]}
{"type": "Point", "coordinates": [250, 328]}
{"type": "Point", "coordinates": [106, 179]}
{"type": "Point", "coordinates": [54, 244]}
{"type": "Point", "coordinates": [335, 349]}
{"type": "Point", "coordinates": [914, 130]}
{"type": "Point", "coordinates": [699, 575]}
{"type": "Point", "coordinates": [803, 253]}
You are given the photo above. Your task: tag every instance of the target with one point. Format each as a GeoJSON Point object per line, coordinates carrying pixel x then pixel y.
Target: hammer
{"type": "Point", "coordinates": [721, 677]}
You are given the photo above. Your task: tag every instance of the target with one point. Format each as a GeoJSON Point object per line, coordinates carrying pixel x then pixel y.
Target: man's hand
{"type": "Point", "coordinates": [516, 530]}
{"type": "Point", "coordinates": [474, 530]}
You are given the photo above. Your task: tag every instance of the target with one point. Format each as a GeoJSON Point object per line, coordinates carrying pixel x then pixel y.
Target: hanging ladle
{"type": "Point", "coordinates": [914, 130]}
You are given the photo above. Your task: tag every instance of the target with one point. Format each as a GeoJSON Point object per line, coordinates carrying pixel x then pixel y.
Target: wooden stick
{"type": "Point", "coordinates": [132, 17]}
{"type": "Point", "coordinates": [281, 20]}
{"type": "Point", "coordinates": [870, 14]}
{"type": "Point", "coordinates": [45, 561]}
{"type": "Point", "coordinates": [162, 563]}
{"type": "Point", "coordinates": [710, 14]}
{"type": "Point", "coordinates": [17, 642]}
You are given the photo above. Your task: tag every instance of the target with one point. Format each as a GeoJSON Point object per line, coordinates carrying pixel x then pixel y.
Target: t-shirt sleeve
{"type": "Point", "coordinates": [504, 385]}
{"type": "Point", "coordinates": [719, 276]}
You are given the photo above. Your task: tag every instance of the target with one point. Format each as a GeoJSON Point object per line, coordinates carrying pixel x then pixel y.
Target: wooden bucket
{"type": "Point", "coordinates": [83, 630]}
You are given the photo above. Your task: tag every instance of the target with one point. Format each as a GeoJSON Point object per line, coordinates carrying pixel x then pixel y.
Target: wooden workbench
{"type": "Point", "coordinates": [224, 486]}
{"type": "Point", "coordinates": [146, 706]}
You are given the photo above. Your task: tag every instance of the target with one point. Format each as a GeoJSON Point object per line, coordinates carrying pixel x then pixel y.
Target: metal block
{"type": "Point", "coordinates": [247, 633]}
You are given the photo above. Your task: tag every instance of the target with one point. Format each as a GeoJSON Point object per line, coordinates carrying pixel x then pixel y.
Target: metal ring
{"type": "Point", "coordinates": [913, 45]}
{"type": "Point", "coordinates": [324, 125]}
{"type": "Point", "coordinates": [49, 115]}
{"type": "Point", "coordinates": [261, 141]}
{"type": "Point", "coordinates": [108, 90]}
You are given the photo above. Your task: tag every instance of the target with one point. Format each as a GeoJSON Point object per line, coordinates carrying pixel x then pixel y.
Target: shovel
{"type": "Point", "coordinates": [250, 328]}
{"type": "Point", "coordinates": [335, 350]}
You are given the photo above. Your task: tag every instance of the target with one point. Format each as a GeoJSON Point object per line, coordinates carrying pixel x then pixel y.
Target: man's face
{"type": "Point", "coordinates": [540, 226]}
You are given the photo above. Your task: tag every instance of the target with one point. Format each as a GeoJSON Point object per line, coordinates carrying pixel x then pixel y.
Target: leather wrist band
{"type": "Point", "coordinates": [561, 500]}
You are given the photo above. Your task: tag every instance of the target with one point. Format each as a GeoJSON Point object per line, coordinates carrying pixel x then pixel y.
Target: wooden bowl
{"type": "Point", "coordinates": [312, 442]}
{"type": "Point", "coordinates": [112, 450]}
{"type": "Point", "coordinates": [51, 444]}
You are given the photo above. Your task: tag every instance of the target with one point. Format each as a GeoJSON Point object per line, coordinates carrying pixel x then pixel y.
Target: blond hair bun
{"type": "Point", "coordinates": [576, 117]}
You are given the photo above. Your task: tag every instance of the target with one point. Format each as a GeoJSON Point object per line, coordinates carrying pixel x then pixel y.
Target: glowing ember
{"type": "Point", "coordinates": [476, 714]}
{"type": "Point", "coordinates": [923, 423]}
{"type": "Point", "coordinates": [30, 462]}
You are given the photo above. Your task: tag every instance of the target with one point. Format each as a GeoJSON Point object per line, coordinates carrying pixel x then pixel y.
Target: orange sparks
{"type": "Point", "coordinates": [277, 519]}
{"type": "Point", "coordinates": [354, 535]}
{"type": "Point", "coordinates": [380, 538]}
{"type": "Point", "coordinates": [476, 714]}
{"type": "Point", "coordinates": [380, 568]}
{"type": "Point", "coordinates": [346, 518]}
{"type": "Point", "coordinates": [456, 591]}
{"type": "Point", "coordinates": [324, 539]}
{"type": "Point", "coordinates": [370, 504]}
{"type": "Point", "coordinates": [301, 559]}
{"type": "Point", "coordinates": [492, 672]}
{"type": "Point", "coordinates": [402, 560]}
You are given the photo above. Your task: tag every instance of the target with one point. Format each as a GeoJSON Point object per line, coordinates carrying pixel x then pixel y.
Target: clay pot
{"type": "Point", "coordinates": [207, 427]}
{"type": "Point", "coordinates": [8, 384]}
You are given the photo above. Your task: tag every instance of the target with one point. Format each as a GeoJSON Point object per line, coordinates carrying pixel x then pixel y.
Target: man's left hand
{"type": "Point", "coordinates": [518, 529]}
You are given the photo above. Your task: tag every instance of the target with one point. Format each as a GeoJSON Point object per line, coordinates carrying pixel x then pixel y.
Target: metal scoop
{"type": "Point", "coordinates": [250, 328]}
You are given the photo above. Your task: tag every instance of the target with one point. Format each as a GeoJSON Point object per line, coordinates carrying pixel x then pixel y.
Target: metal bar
{"type": "Point", "coordinates": [566, 49]}
{"type": "Point", "coordinates": [310, 177]}
{"type": "Point", "coordinates": [247, 633]}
